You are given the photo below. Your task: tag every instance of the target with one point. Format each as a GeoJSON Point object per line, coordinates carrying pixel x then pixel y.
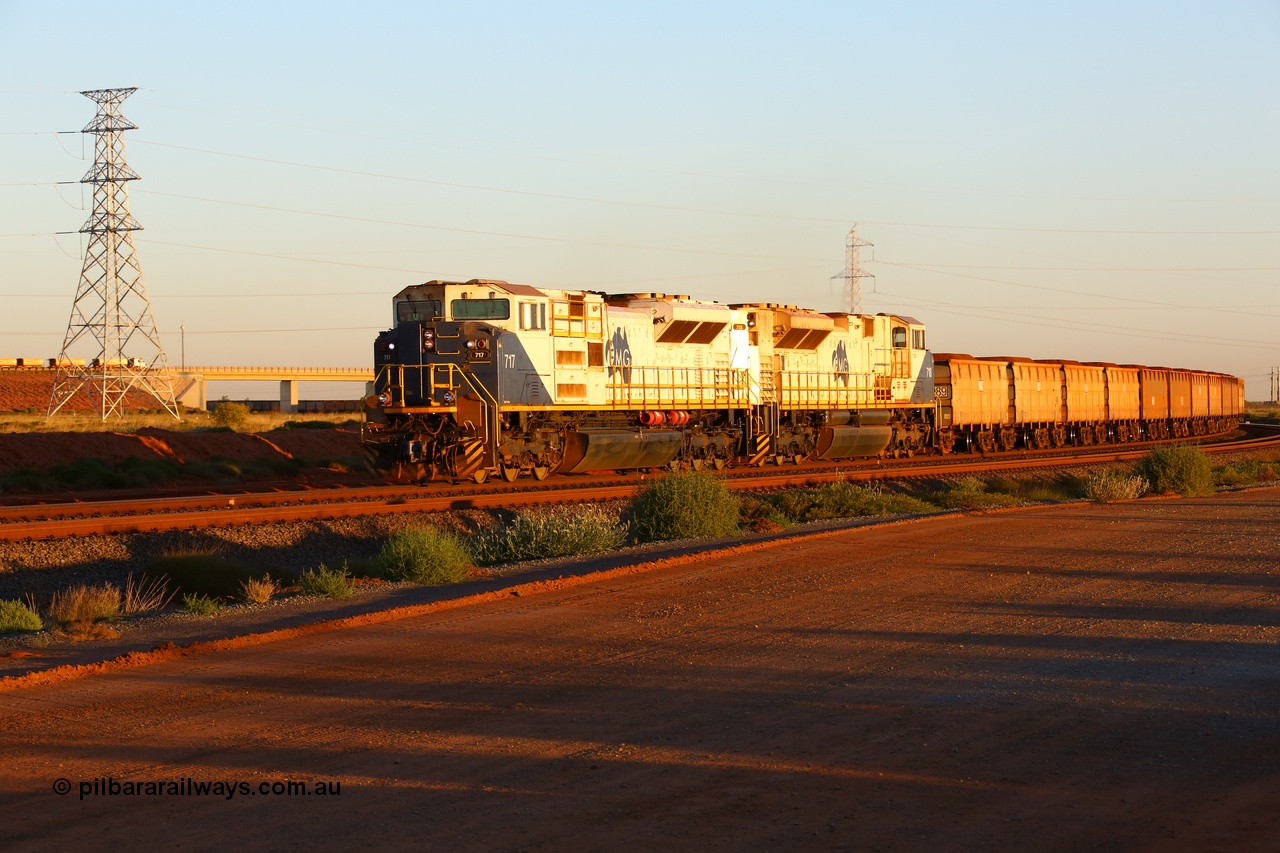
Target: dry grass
{"type": "Point", "coordinates": [84, 603]}
{"type": "Point", "coordinates": [87, 422]}
{"type": "Point", "coordinates": [1107, 486]}
{"type": "Point", "coordinates": [148, 594]}
{"type": "Point", "coordinates": [259, 590]}
{"type": "Point", "coordinates": [82, 610]}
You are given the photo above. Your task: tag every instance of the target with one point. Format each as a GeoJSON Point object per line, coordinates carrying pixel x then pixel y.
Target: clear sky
{"type": "Point", "coordinates": [1096, 181]}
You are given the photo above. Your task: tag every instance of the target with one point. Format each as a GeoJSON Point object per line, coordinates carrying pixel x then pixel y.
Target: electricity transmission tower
{"type": "Point", "coordinates": [852, 275]}
{"type": "Point", "coordinates": [111, 314]}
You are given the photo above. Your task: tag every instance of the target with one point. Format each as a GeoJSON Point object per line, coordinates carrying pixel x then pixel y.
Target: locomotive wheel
{"type": "Point", "coordinates": [719, 462]}
{"type": "Point", "coordinates": [699, 464]}
{"type": "Point", "coordinates": [481, 475]}
{"type": "Point", "coordinates": [541, 472]}
{"type": "Point", "coordinates": [510, 473]}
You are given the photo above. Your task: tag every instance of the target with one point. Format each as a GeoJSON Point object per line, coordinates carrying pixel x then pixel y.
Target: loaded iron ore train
{"type": "Point", "coordinates": [483, 378]}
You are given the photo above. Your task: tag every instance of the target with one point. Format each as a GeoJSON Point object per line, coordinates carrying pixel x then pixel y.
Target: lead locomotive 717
{"type": "Point", "coordinates": [485, 377]}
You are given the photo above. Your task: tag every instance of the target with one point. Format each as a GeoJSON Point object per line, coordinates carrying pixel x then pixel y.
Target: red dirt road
{"type": "Point", "coordinates": [1067, 678]}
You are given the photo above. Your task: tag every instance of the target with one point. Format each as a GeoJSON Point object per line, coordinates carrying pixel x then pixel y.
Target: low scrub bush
{"type": "Point", "coordinates": [200, 605]}
{"type": "Point", "coordinates": [1177, 468]}
{"type": "Point", "coordinates": [679, 506]}
{"type": "Point", "coordinates": [760, 515]}
{"type": "Point", "coordinates": [971, 493]}
{"type": "Point", "coordinates": [306, 425]}
{"type": "Point", "coordinates": [325, 582]}
{"type": "Point", "coordinates": [1038, 489]}
{"type": "Point", "coordinates": [544, 533]}
{"type": "Point", "coordinates": [17, 616]}
{"type": "Point", "coordinates": [1243, 472]}
{"type": "Point", "coordinates": [424, 556]}
{"type": "Point", "coordinates": [202, 573]}
{"type": "Point", "coordinates": [258, 590]}
{"type": "Point", "coordinates": [230, 415]}
{"type": "Point", "coordinates": [84, 605]}
{"type": "Point", "coordinates": [1109, 485]}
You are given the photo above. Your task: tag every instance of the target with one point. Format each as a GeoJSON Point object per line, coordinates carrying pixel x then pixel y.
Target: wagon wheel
{"type": "Point", "coordinates": [510, 473]}
{"type": "Point", "coordinates": [541, 472]}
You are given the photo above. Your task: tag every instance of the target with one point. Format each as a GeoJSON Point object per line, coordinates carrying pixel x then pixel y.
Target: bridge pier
{"type": "Point", "coordinates": [288, 396]}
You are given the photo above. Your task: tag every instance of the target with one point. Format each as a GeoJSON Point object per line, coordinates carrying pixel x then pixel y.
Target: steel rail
{"type": "Point", "coordinates": [57, 521]}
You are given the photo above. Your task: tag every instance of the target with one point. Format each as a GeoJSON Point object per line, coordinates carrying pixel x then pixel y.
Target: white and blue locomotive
{"type": "Point", "coordinates": [484, 378]}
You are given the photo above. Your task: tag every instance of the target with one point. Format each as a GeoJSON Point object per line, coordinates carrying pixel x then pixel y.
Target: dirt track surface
{"type": "Point", "coordinates": [1067, 678]}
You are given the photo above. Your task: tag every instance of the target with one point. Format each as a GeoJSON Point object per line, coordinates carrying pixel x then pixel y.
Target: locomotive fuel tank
{"type": "Point", "coordinates": [604, 449]}
{"type": "Point", "coordinates": [854, 434]}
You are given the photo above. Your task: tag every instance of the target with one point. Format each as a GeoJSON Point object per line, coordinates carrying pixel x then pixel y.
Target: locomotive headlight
{"type": "Point", "coordinates": [447, 396]}
{"type": "Point", "coordinates": [391, 345]}
{"type": "Point", "coordinates": [471, 344]}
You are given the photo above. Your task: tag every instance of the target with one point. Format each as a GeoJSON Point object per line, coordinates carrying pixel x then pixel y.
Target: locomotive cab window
{"type": "Point", "coordinates": [422, 310]}
{"type": "Point", "coordinates": [480, 309]}
{"type": "Point", "coordinates": [917, 338]}
{"type": "Point", "coordinates": [899, 337]}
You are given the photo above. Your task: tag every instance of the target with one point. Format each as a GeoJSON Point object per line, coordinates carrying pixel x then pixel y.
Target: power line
{"type": "Point", "coordinates": [1075, 292]}
{"type": "Point", "coordinates": [480, 232]}
{"type": "Point", "coordinates": [492, 189]}
{"type": "Point", "coordinates": [1126, 231]}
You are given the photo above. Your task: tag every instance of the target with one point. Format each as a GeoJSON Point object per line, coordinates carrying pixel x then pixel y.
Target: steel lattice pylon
{"type": "Point", "coordinates": [111, 310]}
{"type": "Point", "coordinates": [852, 275]}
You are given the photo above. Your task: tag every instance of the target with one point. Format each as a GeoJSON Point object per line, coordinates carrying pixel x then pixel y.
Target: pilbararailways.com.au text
{"type": "Point", "coordinates": [105, 786]}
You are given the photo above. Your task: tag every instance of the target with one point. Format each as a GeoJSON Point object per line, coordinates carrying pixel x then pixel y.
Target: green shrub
{"type": "Point", "coordinates": [200, 605]}
{"type": "Point", "coordinates": [326, 582]}
{"type": "Point", "coordinates": [202, 573]}
{"type": "Point", "coordinates": [542, 533]}
{"type": "Point", "coordinates": [16, 616]}
{"type": "Point", "coordinates": [971, 493]}
{"type": "Point", "coordinates": [1110, 485]}
{"type": "Point", "coordinates": [424, 556]}
{"type": "Point", "coordinates": [1177, 468]}
{"type": "Point", "coordinates": [761, 514]}
{"type": "Point", "coordinates": [679, 506]}
{"type": "Point", "coordinates": [1243, 472]}
{"type": "Point", "coordinates": [233, 416]}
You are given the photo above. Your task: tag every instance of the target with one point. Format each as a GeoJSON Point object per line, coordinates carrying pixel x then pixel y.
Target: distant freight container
{"type": "Point", "coordinates": [970, 391]}
{"type": "Point", "coordinates": [1200, 395]}
{"type": "Point", "coordinates": [1037, 391]}
{"type": "Point", "coordinates": [1216, 382]}
{"type": "Point", "coordinates": [1155, 393]}
{"type": "Point", "coordinates": [1124, 394]}
{"type": "Point", "coordinates": [1179, 393]}
{"type": "Point", "coordinates": [1086, 393]}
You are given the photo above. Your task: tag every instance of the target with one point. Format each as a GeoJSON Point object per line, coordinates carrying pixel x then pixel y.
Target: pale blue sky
{"type": "Point", "coordinates": [1096, 181]}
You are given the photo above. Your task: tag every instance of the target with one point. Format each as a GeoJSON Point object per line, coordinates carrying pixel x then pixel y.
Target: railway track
{"type": "Point", "coordinates": [52, 519]}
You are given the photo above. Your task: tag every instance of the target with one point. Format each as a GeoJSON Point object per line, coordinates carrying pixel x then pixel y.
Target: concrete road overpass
{"type": "Point", "coordinates": [190, 382]}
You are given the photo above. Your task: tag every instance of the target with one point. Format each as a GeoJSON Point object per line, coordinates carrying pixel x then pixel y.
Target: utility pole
{"type": "Point", "coordinates": [852, 275]}
{"type": "Point", "coordinates": [111, 313]}
{"type": "Point", "coordinates": [1275, 385]}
